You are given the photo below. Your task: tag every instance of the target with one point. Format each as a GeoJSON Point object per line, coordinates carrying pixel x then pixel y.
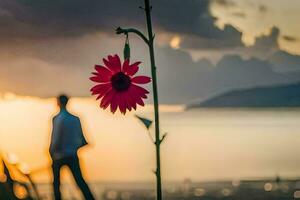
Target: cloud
{"type": "Point", "coordinates": [268, 41]}
{"type": "Point", "coordinates": [263, 47]}
{"type": "Point", "coordinates": [266, 47]}
{"type": "Point", "coordinates": [181, 79]}
{"type": "Point", "coordinates": [197, 26]}
{"type": "Point", "coordinates": [42, 19]}
{"type": "Point", "coordinates": [229, 38]}
{"type": "Point", "coordinates": [193, 18]}
{"type": "Point", "coordinates": [49, 47]}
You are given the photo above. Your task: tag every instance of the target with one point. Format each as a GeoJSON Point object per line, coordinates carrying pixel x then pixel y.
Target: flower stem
{"type": "Point", "coordinates": [150, 43]}
{"type": "Point", "coordinates": [155, 98]}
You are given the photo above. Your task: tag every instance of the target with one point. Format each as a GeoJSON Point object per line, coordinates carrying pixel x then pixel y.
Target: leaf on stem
{"type": "Point", "coordinates": [145, 121]}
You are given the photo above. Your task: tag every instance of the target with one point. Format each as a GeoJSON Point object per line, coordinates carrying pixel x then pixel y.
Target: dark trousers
{"type": "Point", "coordinates": [73, 164]}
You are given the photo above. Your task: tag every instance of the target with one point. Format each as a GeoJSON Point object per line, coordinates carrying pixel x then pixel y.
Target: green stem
{"type": "Point", "coordinates": [119, 30]}
{"type": "Point", "coordinates": [150, 43]}
{"type": "Point", "coordinates": [155, 98]}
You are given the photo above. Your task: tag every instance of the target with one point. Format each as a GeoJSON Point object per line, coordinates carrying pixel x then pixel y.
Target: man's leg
{"type": "Point", "coordinates": [74, 166]}
{"type": "Point", "coordinates": [56, 165]}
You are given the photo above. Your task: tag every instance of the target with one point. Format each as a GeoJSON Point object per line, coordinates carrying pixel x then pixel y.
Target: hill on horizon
{"type": "Point", "coordinates": [271, 96]}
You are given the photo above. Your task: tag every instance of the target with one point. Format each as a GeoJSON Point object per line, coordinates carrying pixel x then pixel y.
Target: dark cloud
{"type": "Point", "coordinates": [268, 41]}
{"type": "Point", "coordinates": [198, 26]}
{"type": "Point", "coordinates": [43, 19]}
{"type": "Point", "coordinates": [196, 20]}
{"type": "Point", "coordinates": [264, 46]}
{"type": "Point", "coordinates": [229, 39]}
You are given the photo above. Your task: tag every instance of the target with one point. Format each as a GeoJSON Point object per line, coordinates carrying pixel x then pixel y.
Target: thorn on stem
{"type": "Point", "coordinates": [162, 139]}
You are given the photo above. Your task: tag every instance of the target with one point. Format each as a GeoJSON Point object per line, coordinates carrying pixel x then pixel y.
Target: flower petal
{"type": "Point", "coordinates": [139, 91]}
{"type": "Point", "coordinates": [115, 63]}
{"type": "Point", "coordinates": [141, 79]}
{"type": "Point", "coordinates": [107, 64]}
{"type": "Point", "coordinates": [102, 75]}
{"type": "Point", "coordinates": [132, 69]}
{"type": "Point", "coordinates": [95, 79]}
{"type": "Point", "coordinates": [130, 100]}
{"type": "Point", "coordinates": [101, 89]}
{"type": "Point", "coordinates": [122, 103]}
{"type": "Point", "coordinates": [107, 99]}
{"type": "Point", "coordinates": [114, 103]}
{"type": "Point", "coordinates": [125, 65]}
{"type": "Point", "coordinates": [128, 105]}
{"type": "Point", "coordinates": [139, 101]}
{"type": "Point", "coordinates": [135, 97]}
{"type": "Point", "coordinates": [103, 70]}
{"type": "Point", "coordinates": [112, 65]}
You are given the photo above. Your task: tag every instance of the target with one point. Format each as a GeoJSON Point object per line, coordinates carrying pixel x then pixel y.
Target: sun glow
{"type": "Point", "coordinates": [175, 42]}
{"type": "Point", "coordinates": [120, 149]}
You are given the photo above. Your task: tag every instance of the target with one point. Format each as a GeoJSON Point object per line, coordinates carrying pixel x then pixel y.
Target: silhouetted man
{"type": "Point", "coordinates": [67, 137]}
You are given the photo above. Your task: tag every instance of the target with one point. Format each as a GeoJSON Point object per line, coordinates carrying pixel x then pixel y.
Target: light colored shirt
{"type": "Point", "coordinates": [67, 136]}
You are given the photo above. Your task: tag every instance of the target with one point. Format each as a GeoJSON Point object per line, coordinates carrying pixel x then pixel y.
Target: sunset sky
{"type": "Point", "coordinates": [203, 48]}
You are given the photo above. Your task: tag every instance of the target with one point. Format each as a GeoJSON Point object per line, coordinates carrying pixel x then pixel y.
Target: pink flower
{"type": "Point", "coordinates": [117, 85]}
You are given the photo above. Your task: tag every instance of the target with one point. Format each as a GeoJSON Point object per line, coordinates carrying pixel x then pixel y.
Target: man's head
{"type": "Point", "coordinates": [62, 101]}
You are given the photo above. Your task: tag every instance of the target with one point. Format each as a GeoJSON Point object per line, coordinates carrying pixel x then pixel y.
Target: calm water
{"type": "Point", "coordinates": [232, 143]}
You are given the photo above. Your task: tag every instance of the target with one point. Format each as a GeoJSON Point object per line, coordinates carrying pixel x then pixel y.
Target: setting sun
{"type": "Point", "coordinates": [175, 42]}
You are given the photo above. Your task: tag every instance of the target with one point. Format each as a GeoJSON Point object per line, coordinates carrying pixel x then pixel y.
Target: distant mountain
{"type": "Point", "coordinates": [274, 96]}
